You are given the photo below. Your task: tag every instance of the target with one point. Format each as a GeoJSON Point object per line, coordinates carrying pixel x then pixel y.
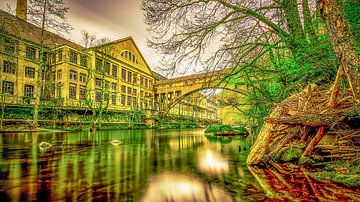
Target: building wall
{"type": "Point", "coordinates": [138, 92]}
{"type": "Point", "coordinates": [132, 86]}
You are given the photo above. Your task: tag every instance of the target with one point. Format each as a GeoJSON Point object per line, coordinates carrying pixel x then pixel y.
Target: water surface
{"type": "Point", "coordinates": [146, 165]}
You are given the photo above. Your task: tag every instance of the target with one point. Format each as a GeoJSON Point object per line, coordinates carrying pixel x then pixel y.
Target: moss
{"type": "Point", "coordinates": [291, 154]}
{"type": "Point", "coordinates": [307, 161]}
{"type": "Point", "coordinates": [332, 176]}
{"type": "Point", "coordinates": [219, 129]}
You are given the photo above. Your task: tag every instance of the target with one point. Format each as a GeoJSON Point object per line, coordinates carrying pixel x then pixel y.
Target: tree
{"type": "Point", "coordinates": [47, 15]}
{"type": "Point", "coordinates": [274, 47]}
{"type": "Point", "coordinates": [343, 43]}
{"type": "Point", "coordinates": [97, 97]}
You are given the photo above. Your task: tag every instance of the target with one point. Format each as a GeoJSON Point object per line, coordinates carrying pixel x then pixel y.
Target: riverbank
{"type": "Point", "coordinates": [304, 130]}
{"type": "Point", "coordinates": [18, 125]}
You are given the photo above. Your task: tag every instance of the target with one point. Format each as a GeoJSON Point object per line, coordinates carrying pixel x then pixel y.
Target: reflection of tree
{"type": "Point", "coordinates": [282, 182]}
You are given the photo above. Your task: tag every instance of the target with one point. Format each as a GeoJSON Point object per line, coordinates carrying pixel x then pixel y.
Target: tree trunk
{"type": "Point", "coordinates": [342, 41]}
{"type": "Point", "coordinates": [308, 23]}
{"type": "Point", "coordinates": [293, 18]}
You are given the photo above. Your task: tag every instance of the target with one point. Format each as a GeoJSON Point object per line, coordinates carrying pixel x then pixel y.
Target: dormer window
{"type": "Point", "coordinates": [129, 56]}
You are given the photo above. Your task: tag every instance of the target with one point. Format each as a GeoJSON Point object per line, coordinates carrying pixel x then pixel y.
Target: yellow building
{"type": "Point", "coordinates": [115, 72]}
{"type": "Point", "coordinates": [113, 76]}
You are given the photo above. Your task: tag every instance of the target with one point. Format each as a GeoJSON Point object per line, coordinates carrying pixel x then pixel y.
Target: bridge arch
{"type": "Point", "coordinates": [175, 101]}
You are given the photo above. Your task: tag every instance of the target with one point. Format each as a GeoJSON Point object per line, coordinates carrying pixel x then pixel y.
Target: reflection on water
{"type": "Point", "coordinates": [212, 162]}
{"type": "Point", "coordinates": [170, 186]}
{"type": "Point", "coordinates": [133, 165]}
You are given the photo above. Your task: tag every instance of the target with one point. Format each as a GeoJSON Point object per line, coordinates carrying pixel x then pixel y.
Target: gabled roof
{"type": "Point", "coordinates": [123, 40]}
{"type": "Point", "coordinates": [27, 31]}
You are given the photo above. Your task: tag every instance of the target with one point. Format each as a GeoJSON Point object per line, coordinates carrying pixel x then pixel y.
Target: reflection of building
{"type": "Point", "coordinates": [114, 74]}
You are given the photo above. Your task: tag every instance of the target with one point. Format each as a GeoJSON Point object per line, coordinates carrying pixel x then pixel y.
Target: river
{"type": "Point", "coordinates": [147, 165]}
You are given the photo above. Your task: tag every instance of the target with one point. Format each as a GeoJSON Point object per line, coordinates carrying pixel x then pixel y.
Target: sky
{"type": "Point", "coordinates": [113, 19]}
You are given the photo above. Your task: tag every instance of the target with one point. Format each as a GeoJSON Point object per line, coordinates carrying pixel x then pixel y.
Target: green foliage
{"type": "Point", "coordinates": [240, 129]}
{"type": "Point", "coordinates": [351, 9]}
{"type": "Point", "coordinates": [219, 129]}
{"type": "Point", "coordinates": [136, 115]}
{"type": "Point", "coordinates": [292, 154]}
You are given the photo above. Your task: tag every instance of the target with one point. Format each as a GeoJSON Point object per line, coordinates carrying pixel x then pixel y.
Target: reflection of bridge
{"type": "Point", "coordinates": [170, 92]}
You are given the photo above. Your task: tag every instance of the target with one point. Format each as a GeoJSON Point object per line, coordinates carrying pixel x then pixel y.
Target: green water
{"type": "Point", "coordinates": [141, 165]}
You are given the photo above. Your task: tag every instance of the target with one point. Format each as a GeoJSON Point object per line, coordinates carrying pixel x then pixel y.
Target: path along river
{"type": "Point", "coordinates": [147, 165]}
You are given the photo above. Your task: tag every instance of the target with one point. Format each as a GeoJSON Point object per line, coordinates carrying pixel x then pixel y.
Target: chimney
{"type": "Point", "coordinates": [21, 9]}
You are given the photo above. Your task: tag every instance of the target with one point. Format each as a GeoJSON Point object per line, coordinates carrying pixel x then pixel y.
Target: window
{"type": "Point", "coordinates": [146, 83]}
{"type": "Point", "coordinates": [28, 91]}
{"type": "Point", "coordinates": [10, 46]}
{"type": "Point", "coordinates": [123, 89]}
{"type": "Point", "coordinates": [114, 86]}
{"type": "Point", "coordinates": [106, 97]}
{"type": "Point", "coordinates": [98, 64]}
{"type": "Point", "coordinates": [59, 73]}
{"type": "Point", "coordinates": [29, 72]}
{"type": "Point", "coordinates": [73, 57]}
{"type": "Point", "coordinates": [9, 67]}
{"type": "Point", "coordinates": [141, 93]}
{"type": "Point", "coordinates": [129, 90]}
{"type": "Point", "coordinates": [82, 78]}
{"type": "Point", "coordinates": [134, 101]}
{"type": "Point", "coordinates": [98, 82]}
{"type": "Point", "coordinates": [107, 68]}
{"type": "Point", "coordinates": [150, 84]}
{"type": "Point", "coordinates": [107, 85]}
{"type": "Point", "coordinates": [129, 77]}
{"type": "Point", "coordinates": [135, 78]}
{"type": "Point", "coordinates": [60, 54]}
{"type": "Point", "coordinates": [73, 75]}
{"type": "Point", "coordinates": [98, 96]}
{"type": "Point", "coordinates": [123, 99]}
{"type": "Point", "coordinates": [72, 91]}
{"type": "Point", "coordinates": [83, 60]}
{"type": "Point", "coordinates": [53, 58]}
{"type": "Point", "coordinates": [129, 100]}
{"type": "Point", "coordinates": [30, 53]}
{"type": "Point", "coordinates": [8, 87]}
{"type": "Point", "coordinates": [141, 81]}
{"type": "Point", "coordinates": [58, 90]}
{"type": "Point", "coordinates": [113, 99]}
{"type": "Point", "coordinates": [129, 56]}
{"type": "Point", "coordinates": [114, 70]}
{"type": "Point", "coordinates": [82, 93]}
{"type": "Point", "coordinates": [134, 91]}
{"type": "Point", "coordinates": [123, 74]}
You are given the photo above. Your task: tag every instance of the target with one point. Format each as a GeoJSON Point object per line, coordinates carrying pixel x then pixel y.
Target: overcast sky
{"type": "Point", "coordinates": [113, 19]}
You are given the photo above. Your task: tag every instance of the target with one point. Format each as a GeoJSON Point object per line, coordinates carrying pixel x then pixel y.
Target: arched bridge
{"type": "Point", "coordinates": [169, 92]}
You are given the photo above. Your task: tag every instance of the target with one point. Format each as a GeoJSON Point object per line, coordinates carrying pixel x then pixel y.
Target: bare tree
{"type": "Point", "coordinates": [267, 43]}
{"type": "Point", "coordinates": [47, 15]}
{"type": "Point", "coordinates": [97, 99]}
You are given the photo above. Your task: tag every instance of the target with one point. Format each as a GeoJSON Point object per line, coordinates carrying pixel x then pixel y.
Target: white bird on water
{"type": "Point", "coordinates": [116, 142]}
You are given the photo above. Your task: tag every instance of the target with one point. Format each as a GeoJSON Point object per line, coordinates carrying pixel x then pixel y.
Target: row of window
{"type": "Point", "coordinates": [106, 67]}
{"type": "Point", "coordinates": [8, 88]}
{"type": "Point", "coordinates": [129, 56]}
{"type": "Point", "coordinates": [10, 68]}
{"type": "Point", "coordinates": [130, 101]}
{"type": "Point", "coordinates": [11, 46]}
{"type": "Point", "coordinates": [73, 57]}
{"type": "Point", "coordinates": [131, 77]}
